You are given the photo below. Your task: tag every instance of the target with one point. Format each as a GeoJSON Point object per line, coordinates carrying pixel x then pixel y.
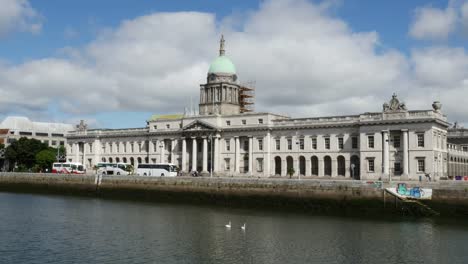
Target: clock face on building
{"type": "Point", "coordinates": [212, 77]}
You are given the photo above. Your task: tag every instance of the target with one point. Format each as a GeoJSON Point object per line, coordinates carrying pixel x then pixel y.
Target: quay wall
{"type": "Point", "coordinates": [314, 195]}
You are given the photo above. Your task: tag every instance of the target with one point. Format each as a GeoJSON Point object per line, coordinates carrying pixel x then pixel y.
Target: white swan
{"type": "Point", "coordinates": [243, 227]}
{"type": "Point", "coordinates": [229, 225]}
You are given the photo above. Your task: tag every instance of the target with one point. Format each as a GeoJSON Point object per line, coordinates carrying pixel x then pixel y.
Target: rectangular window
{"type": "Point", "coordinates": [327, 143]}
{"type": "Point", "coordinates": [396, 141]}
{"type": "Point", "coordinates": [125, 147]}
{"type": "Point", "coordinates": [155, 127]}
{"type": "Point", "coordinates": [227, 164]}
{"type": "Point", "coordinates": [301, 143]}
{"type": "Point", "coordinates": [421, 165]}
{"type": "Point", "coordinates": [25, 133]}
{"type": "Point", "coordinates": [155, 146]}
{"type": "Point", "coordinates": [104, 148]}
{"type": "Point", "coordinates": [278, 144]}
{"type": "Point", "coordinates": [246, 145]}
{"type": "Point", "coordinates": [228, 145]}
{"type": "Point", "coordinates": [260, 144]}
{"type": "Point", "coordinates": [260, 120]}
{"type": "Point", "coordinates": [53, 142]}
{"type": "Point", "coordinates": [244, 121]}
{"type": "Point", "coordinates": [132, 147]}
{"type": "Point", "coordinates": [42, 134]}
{"type": "Point", "coordinates": [117, 147]}
{"type": "Point", "coordinates": [90, 147]}
{"type": "Point", "coordinates": [58, 135]}
{"type": "Point", "coordinates": [340, 143]}
{"type": "Point", "coordinates": [370, 165]}
{"type": "Point", "coordinates": [289, 144]}
{"type": "Point", "coordinates": [62, 143]}
{"type": "Point", "coordinates": [420, 140]}
{"type": "Point", "coordinates": [370, 141]}
{"type": "Point", "coordinates": [168, 126]}
{"type": "Point", "coordinates": [228, 122]}
{"type": "Point", "coordinates": [397, 168]}
{"type": "Point", "coordinates": [259, 164]}
{"type": "Point", "coordinates": [314, 143]}
{"type": "Point", "coordinates": [354, 142]}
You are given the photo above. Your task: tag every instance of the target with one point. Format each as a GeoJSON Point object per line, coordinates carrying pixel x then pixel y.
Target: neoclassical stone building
{"type": "Point", "coordinates": [223, 138]}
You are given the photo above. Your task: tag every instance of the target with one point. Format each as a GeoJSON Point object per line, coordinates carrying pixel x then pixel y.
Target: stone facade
{"type": "Point", "coordinates": [393, 144]}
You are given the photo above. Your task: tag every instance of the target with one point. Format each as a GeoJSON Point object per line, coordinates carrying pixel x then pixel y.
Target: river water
{"type": "Point", "coordinates": [57, 229]}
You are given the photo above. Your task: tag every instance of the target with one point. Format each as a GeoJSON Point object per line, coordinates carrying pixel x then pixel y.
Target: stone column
{"type": "Point", "coordinates": [385, 155]}
{"type": "Point", "coordinates": [268, 154]}
{"type": "Point", "coordinates": [76, 147]}
{"type": "Point", "coordinates": [405, 155]}
{"type": "Point", "coordinates": [97, 151]}
{"type": "Point", "coordinates": [297, 169]}
{"type": "Point", "coordinates": [215, 154]}
{"type": "Point", "coordinates": [205, 156]}
{"type": "Point", "coordinates": [250, 156]}
{"type": "Point", "coordinates": [334, 168]}
{"type": "Point", "coordinates": [284, 167]}
{"type": "Point", "coordinates": [173, 144]}
{"type": "Point", "coordinates": [162, 149]}
{"type": "Point", "coordinates": [347, 168]}
{"type": "Point", "coordinates": [321, 167]}
{"type": "Point", "coordinates": [184, 155]}
{"type": "Point", "coordinates": [194, 154]}
{"type": "Point", "coordinates": [237, 155]}
{"type": "Point", "coordinates": [308, 167]}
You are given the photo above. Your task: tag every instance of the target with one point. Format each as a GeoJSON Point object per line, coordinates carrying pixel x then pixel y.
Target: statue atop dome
{"type": "Point", "coordinates": [222, 51]}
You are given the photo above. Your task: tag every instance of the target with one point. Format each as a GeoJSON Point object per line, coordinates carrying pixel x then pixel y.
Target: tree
{"type": "Point", "coordinates": [23, 152]}
{"type": "Point", "coordinates": [291, 172]}
{"type": "Point", "coordinates": [45, 158]}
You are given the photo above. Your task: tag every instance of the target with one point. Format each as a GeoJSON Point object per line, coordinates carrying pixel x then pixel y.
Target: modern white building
{"type": "Point", "coordinates": [228, 140]}
{"type": "Point", "coordinates": [15, 127]}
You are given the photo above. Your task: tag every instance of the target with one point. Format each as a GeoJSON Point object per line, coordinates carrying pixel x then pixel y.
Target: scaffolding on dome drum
{"type": "Point", "coordinates": [247, 97]}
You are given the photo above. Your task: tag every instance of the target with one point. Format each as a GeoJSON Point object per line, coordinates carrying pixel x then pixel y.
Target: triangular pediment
{"type": "Point", "coordinates": [199, 125]}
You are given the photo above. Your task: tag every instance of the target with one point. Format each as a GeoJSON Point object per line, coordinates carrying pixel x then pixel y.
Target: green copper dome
{"type": "Point", "coordinates": [222, 64]}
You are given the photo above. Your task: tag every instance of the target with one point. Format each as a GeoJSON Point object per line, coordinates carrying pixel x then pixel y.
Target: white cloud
{"type": "Point", "coordinates": [305, 61]}
{"type": "Point", "coordinates": [18, 15]}
{"type": "Point", "coordinates": [433, 23]}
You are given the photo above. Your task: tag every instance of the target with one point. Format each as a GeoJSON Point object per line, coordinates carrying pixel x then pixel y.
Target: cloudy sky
{"type": "Point", "coordinates": [116, 62]}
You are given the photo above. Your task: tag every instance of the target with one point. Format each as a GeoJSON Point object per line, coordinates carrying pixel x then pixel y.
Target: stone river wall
{"type": "Point", "coordinates": [450, 198]}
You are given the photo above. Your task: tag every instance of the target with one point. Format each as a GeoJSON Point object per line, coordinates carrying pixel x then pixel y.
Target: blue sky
{"type": "Point", "coordinates": [74, 37]}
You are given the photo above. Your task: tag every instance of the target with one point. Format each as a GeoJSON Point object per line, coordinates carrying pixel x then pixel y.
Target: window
{"type": "Point", "coordinates": [227, 164]}
{"type": "Point", "coordinates": [260, 120]}
{"type": "Point", "coordinates": [25, 133]}
{"type": "Point", "coordinates": [420, 140]}
{"type": "Point", "coordinates": [132, 146]}
{"type": "Point", "coordinates": [58, 135]}
{"type": "Point", "coordinates": [104, 148]}
{"type": "Point", "coordinates": [397, 168]}
{"type": "Point", "coordinates": [228, 145]}
{"type": "Point", "coordinates": [118, 147]}
{"type": "Point", "coordinates": [314, 143]}
{"type": "Point", "coordinates": [327, 143]}
{"type": "Point", "coordinates": [396, 141]}
{"type": "Point", "coordinates": [421, 165]}
{"type": "Point", "coordinates": [340, 143]}
{"type": "Point", "coordinates": [370, 165]}
{"type": "Point", "coordinates": [155, 127]}
{"type": "Point", "coordinates": [41, 134]}
{"type": "Point", "coordinates": [244, 121]}
{"type": "Point", "coordinates": [260, 144]}
{"type": "Point", "coordinates": [125, 147]}
{"type": "Point", "coordinates": [259, 164]}
{"type": "Point", "coordinates": [155, 146]}
{"type": "Point", "coordinates": [289, 144]}
{"type": "Point", "coordinates": [53, 142]}
{"type": "Point", "coordinates": [246, 145]}
{"type": "Point", "coordinates": [301, 143]}
{"type": "Point", "coordinates": [228, 122]}
{"type": "Point", "coordinates": [62, 143]}
{"type": "Point", "coordinates": [278, 145]}
{"type": "Point", "coordinates": [140, 147]}
{"type": "Point", "coordinates": [354, 142]}
{"type": "Point", "coordinates": [168, 126]}
{"type": "Point", "coordinates": [370, 141]}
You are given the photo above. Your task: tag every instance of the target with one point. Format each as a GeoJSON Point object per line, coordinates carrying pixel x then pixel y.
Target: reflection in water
{"type": "Point", "coordinates": [54, 229]}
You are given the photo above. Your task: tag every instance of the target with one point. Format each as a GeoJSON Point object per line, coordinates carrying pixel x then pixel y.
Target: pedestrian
{"type": "Point", "coordinates": [428, 176]}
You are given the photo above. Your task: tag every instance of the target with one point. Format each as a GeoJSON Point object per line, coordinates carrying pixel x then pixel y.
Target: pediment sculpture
{"type": "Point", "coordinates": [81, 126]}
{"type": "Point", "coordinates": [394, 105]}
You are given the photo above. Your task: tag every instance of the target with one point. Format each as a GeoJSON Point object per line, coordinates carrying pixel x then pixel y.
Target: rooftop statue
{"type": "Point", "coordinates": [394, 105]}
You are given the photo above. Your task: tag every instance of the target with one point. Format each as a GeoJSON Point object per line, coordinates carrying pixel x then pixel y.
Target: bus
{"type": "Point", "coordinates": [114, 168]}
{"type": "Point", "coordinates": [158, 169]}
{"type": "Point", "coordinates": [68, 168]}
